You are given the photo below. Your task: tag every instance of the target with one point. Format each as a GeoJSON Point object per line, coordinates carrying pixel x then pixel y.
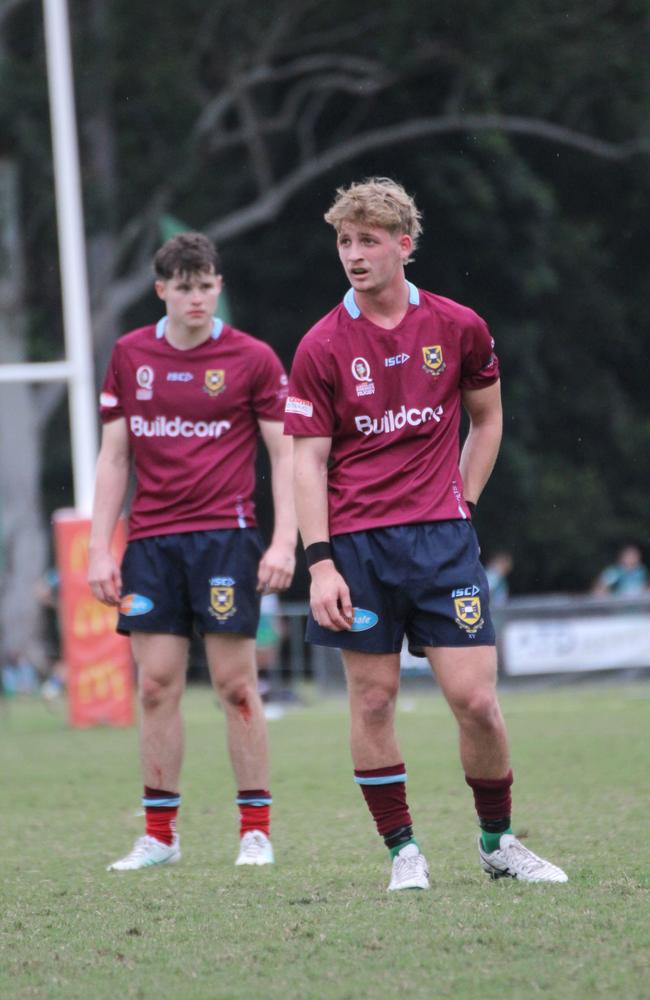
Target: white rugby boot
{"type": "Point", "coordinates": [148, 851]}
{"type": "Point", "coordinates": [410, 870]}
{"type": "Point", "coordinates": [513, 860]}
{"type": "Point", "coordinates": [255, 848]}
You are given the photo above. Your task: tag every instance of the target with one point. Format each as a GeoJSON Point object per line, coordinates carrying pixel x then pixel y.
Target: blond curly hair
{"type": "Point", "coordinates": [377, 201]}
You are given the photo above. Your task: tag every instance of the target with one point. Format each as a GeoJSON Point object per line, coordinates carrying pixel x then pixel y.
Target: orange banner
{"type": "Point", "coordinates": [100, 672]}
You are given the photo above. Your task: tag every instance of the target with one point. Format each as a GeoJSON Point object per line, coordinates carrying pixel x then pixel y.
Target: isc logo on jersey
{"type": "Point", "coordinates": [395, 421]}
{"type": "Point", "coordinates": [397, 359]}
{"type": "Point", "coordinates": [174, 427]}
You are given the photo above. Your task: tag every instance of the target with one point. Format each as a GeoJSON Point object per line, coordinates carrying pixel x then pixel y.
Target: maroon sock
{"type": "Point", "coordinates": [161, 810]}
{"type": "Point", "coordinates": [384, 789]}
{"type": "Point", "coordinates": [254, 810]}
{"type": "Point", "coordinates": [493, 801]}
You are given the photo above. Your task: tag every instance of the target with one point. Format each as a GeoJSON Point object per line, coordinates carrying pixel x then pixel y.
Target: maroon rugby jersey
{"type": "Point", "coordinates": [192, 422]}
{"type": "Point", "coordinates": [391, 402]}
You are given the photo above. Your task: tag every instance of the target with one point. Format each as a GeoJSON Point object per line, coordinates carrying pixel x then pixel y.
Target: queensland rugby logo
{"type": "Point", "coordinates": [361, 372]}
{"type": "Point", "coordinates": [144, 376]}
{"type": "Point", "coordinates": [363, 620]}
{"type": "Point", "coordinates": [215, 381]}
{"type": "Point", "coordinates": [433, 361]}
{"type": "Point", "coordinates": [222, 598]}
{"type": "Point", "coordinates": [468, 614]}
{"type": "Point", "coordinates": [135, 604]}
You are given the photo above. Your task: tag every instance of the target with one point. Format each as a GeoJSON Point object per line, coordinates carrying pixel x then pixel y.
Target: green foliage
{"type": "Point", "coordinates": [200, 114]}
{"type": "Point", "coordinates": [320, 924]}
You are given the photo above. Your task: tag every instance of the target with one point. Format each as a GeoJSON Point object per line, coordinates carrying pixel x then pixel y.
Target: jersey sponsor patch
{"type": "Point", "coordinates": [362, 620]}
{"type": "Point", "coordinates": [174, 427]}
{"type": "Point", "coordinates": [135, 604]}
{"type": "Point", "coordinates": [302, 406]}
{"type": "Point", "coordinates": [393, 420]}
{"type": "Point", "coordinates": [179, 376]}
{"type": "Point", "coordinates": [108, 399]}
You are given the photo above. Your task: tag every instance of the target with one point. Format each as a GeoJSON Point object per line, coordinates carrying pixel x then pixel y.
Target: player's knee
{"type": "Point", "coordinates": [236, 693]}
{"type": "Point", "coordinates": [156, 691]}
{"type": "Point", "coordinates": [376, 705]}
{"type": "Point", "coordinates": [480, 708]}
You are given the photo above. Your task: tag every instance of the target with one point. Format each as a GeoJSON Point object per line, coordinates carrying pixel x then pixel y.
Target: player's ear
{"type": "Point", "coordinates": [161, 289]}
{"type": "Point", "coordinates": [406, 245]}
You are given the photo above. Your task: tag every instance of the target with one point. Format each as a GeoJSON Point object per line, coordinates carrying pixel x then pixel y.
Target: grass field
{"type": "Point", "coordinates": [320, 923]}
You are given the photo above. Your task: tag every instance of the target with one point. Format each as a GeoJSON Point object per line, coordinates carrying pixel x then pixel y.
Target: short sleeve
{"type": "Point", "coordinates": [309, 410]}
{"type": "Point", "coordinates": [110, 398]}
{"type": "Point", "coordinates": [269, 386]}
{"type": "Point", "coordinates": [480, 365]}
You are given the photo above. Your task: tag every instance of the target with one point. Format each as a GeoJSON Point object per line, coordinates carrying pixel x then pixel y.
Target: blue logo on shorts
{"type": "Point", "coordinates": [363, 620]}
{"type": "Point", "coordinates": [135, 604]}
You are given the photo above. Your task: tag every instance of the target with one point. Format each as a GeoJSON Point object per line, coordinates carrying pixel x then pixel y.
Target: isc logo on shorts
{"type": "Point", "coordinates": [466, 591]}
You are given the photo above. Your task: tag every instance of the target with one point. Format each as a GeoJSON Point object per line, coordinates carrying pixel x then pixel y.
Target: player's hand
{"type": "Point", "coordinates": [330, 600]}
{"type": "Point", "coordinates": [275, 571]}
{"type": "Point", "coordinates": [104, 577]}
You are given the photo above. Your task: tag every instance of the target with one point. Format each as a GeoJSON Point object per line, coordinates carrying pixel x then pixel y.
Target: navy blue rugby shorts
{"type": "Point", "coordinates": [424, 581]}
{"type": "Point", "coordinates": [201, 581]}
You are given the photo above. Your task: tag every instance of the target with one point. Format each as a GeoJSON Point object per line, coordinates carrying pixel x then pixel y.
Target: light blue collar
{"type": "Point", "coordinates": [350, 302]}
{"type": "Point", "coordinates": [217, 327]}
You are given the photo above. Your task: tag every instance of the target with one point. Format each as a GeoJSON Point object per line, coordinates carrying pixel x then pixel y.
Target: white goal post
{"type": "Point", "coordinates": [77, 369]}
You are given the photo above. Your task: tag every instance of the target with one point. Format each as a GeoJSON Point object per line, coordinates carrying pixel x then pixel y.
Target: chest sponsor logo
{"type": "Point", "coordinates": [468, 614]}
{"type": "Point", "coordinates": [302, 406]}
{"type": "Point", "coordinates": [395, 420]}
{"type": "Point", "coordinates": [215, 381]}
{"type": "Point", "coordinates": [397, 359]}
{"type": "Point", "coordinates": [179, 376]}
{"type": "Point", "coordinates": [174, 427]}
{"type": "Point", "coordinates": [433, 360]}
{"type": "Point", "coordinates": [135, 604]}
{"type": "Point", "coordinates": [144, 376]}
{"type": "Point", "coordinates": [362, 620]}
{"type": "Point", "coordinates": [222, 598]}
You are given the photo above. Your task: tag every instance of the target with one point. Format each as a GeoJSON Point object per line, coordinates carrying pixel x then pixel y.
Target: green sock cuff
{"type": "Point", "coordinates": [491, 841]}
{"type": "Point", "coordinates": [394, 851]}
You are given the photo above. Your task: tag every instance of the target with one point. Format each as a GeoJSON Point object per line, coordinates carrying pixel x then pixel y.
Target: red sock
{"type": "Point", "coordinates": [160, 809]}
{"type": "Point", "coordinates": [254, 810]}
{"type": "Point", "coordinates": [492, 798]}
{"type": "Point", "coordinates": [384, 790]}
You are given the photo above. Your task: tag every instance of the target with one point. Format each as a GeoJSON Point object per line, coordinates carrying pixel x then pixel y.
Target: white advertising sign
{"type": "Point", "coordinates": [565, 645]}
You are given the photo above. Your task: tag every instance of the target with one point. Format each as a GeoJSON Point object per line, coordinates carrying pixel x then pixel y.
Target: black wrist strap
{"type": "Point", "coordinates": [317, 551]}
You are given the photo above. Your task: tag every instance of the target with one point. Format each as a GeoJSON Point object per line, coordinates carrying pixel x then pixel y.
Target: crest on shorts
{"type": "Point", "coordinates": [468, 614]}
{"type": "Point", "coordinates": [433, 362]}
{"type": "Point", "coordinates": [215, 381]}
{"type": "Point", "coordinates": [222, 598]}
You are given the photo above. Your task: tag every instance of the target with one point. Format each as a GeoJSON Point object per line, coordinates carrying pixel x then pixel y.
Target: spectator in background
{"type": "Point", "coordinates": [627, 577]}
{"type": "Point", "coordinates": [497, 570]}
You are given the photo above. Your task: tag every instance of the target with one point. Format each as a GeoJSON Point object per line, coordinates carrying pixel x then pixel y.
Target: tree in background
{"type": "Point", "coordinates": [520, 127]}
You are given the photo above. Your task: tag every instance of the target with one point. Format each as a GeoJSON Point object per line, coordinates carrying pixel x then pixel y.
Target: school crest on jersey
{"type": "Point", "coordinates": [215, 381]}
{"type": "Point", "coordinates": [433, 360]}
{"type": "Point", "coordinates": [222, 598]}
{"type": "Point", "coordinates": [468, 614]}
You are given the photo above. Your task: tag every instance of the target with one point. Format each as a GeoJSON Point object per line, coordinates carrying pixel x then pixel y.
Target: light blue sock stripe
{"type": "Point", "coordinates": [386, 779]}
{"type": "Point", "coordinates": [169, 803]}
{"type": "Point", "coordinates": [254, 802]}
